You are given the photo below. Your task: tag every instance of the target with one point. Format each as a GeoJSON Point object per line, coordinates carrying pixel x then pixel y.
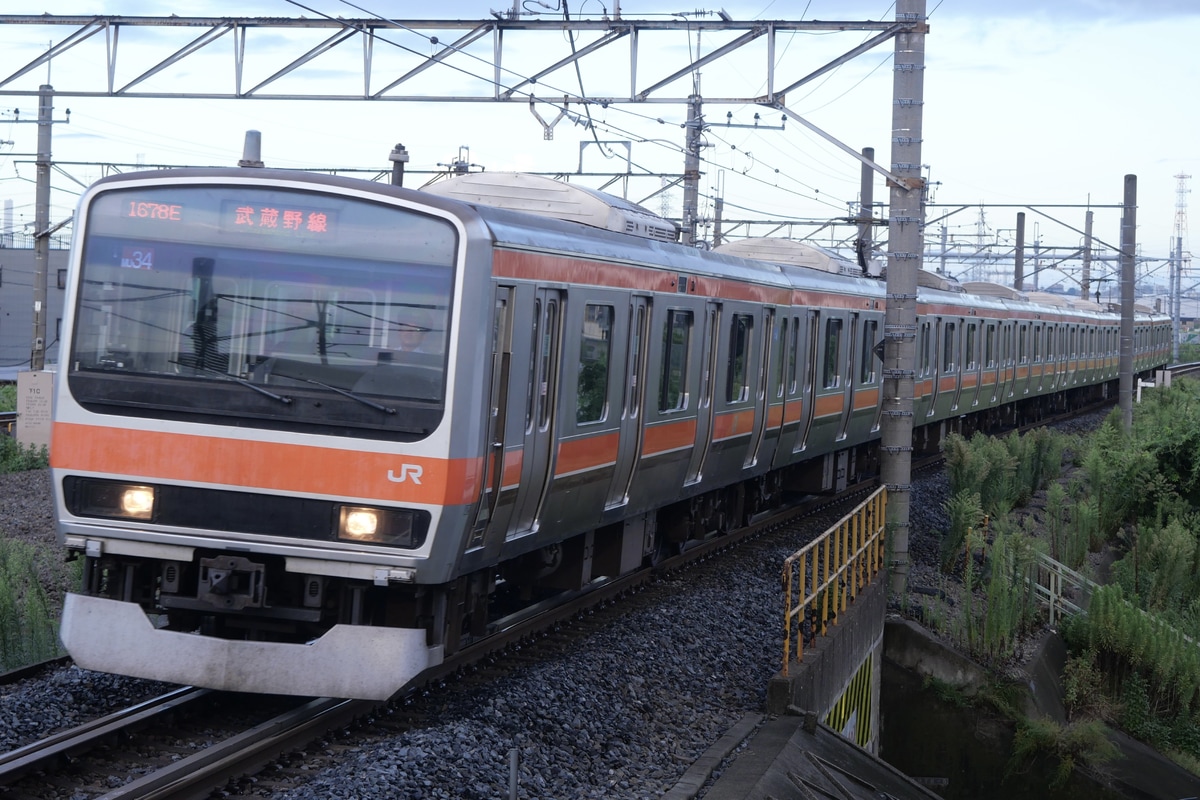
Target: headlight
{"type": "Point", "coordinates": [377, 526]}
{"type": "Point", "coordinates": [114, 499]}
{"type": "Point", "coordinates": [138, 502]}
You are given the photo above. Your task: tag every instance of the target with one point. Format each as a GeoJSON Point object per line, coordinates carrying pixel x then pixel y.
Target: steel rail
{"type": "Point", "coordinates": [196, 776]}
{"type": "Point", "coordinates": [45, 752]}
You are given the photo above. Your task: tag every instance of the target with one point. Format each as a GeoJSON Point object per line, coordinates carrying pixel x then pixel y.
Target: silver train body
{"type": "Point", "coordinates": [273, 493]}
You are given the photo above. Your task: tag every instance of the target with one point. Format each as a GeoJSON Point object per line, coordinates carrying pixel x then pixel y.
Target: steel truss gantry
{"type": "Point", "coordinates": [446, 43]}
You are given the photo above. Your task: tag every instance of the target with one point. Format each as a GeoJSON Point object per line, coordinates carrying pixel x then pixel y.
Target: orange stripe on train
{"type": "Point", "coordinates": [265, 466]}
{"type": "Point", "coordinates": [663, 438]}
{"type": "Point", "coordinates": [577, 455]}
{"type": "Point", "coordinates": [733, 423]}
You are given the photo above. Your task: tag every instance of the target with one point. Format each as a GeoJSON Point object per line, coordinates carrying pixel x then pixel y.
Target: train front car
{"type": "Point", "coordinates": [252, 439]}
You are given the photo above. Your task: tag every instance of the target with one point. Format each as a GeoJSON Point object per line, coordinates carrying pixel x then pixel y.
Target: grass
{"type": "Point", "coordinates": [28, 621]}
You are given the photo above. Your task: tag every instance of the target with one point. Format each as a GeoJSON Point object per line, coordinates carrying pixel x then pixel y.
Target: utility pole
{"type": "Point", "coordinates": [41, 223]}
{"type": "Point", "coordinates": [1019, 271]}
{"type": "Point", "coordinates": [1128, 249]}
{"type": "Point", "coordinates": [905, 246]}
{"type": "Point", "coordinates": [866, 200]}
{"type": "Point", "coordinates": [691, 171]}
{"type": "Point", "coordinates": [1085, 280]}
{"type": "Point", "coordinates": [1176, 290]}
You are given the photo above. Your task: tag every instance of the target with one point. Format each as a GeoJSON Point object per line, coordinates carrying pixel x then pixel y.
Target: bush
{"type": "Point", "coordinates": [1078, 743]}
{"type": "Point", "coordinates": [16, 458]}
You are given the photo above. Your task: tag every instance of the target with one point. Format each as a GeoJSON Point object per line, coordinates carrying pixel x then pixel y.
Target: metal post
{"type": "Point", "coordinates": [718, 214]}
{"type": "Point", "coordinates": [906, 221]}
{"type": "Point", "coordinates": [1019, 266]}
{"type": "Point", "coordinates": [1085, 280]}
{"type": "Point", "coordinates": [513, 763]}
{"type": "Point", "coordinates": [691, 171]}
{"type": "Point", "coordinates": [1128, 248]}
{"type": "Point", "coordinates": [398, 157]}
{"type": "Point", "coordinates": [945, 244]}
{"type": "Point", "coordinates": [41, 227]}
{"type": "Point", "coordinates": [1176, 298]}
{"type": "Point", "coordinates": [866, 199]}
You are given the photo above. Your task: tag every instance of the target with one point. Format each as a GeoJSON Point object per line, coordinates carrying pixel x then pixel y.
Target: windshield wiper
{"type": "Point", "coordinates": [351, 395]}
{"type": "Point", "coordinates": [287, 401]}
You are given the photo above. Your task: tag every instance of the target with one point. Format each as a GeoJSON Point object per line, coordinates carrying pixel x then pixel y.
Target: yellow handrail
{"type": "Point", "coordinates": [845, 559]}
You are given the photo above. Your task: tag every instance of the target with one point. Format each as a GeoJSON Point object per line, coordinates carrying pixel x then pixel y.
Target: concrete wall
{"type": "Point", "coordinates": [816, 683]}
{"type": "Point", "coordinates": [908, 645]}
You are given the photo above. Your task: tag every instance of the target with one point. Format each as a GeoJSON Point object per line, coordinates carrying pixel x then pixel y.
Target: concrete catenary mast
{"type": "Point", "coordinates": [1176, 289]}
{"type": "Point", "coordinates": [905, 248]}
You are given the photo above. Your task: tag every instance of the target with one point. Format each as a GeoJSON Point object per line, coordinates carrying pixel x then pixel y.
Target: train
{"type": "Point", "coordinates": [312, 435]}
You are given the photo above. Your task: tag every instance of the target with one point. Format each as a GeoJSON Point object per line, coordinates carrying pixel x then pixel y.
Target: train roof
{"type": "Point", "coordinates": [989, 289]}
{"type": "Point", "coordinates": [535, 194]}
{"type": "Point", "coordinates": [790, 252]}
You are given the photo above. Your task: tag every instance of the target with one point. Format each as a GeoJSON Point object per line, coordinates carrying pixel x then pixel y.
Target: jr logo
{"type": "Point", "coordinates": [408, 472]}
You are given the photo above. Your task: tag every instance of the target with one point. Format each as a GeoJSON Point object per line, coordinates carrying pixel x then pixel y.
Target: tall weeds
{"type": "Point", "coordinates": [28, 626]}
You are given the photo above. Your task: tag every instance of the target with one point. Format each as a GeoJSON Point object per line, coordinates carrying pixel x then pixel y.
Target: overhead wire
{"type": "Point", "coordinates": [582, 98]}
{"type": "Point", "coordinates": [586, 119]}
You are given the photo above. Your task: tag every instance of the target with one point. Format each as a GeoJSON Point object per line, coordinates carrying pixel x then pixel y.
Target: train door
{"type": "Point", "coordinates": [809, 395]}
{"type": "Point", "coordinates": [1023, 357]}
{"type": "Point", "coordinates": [1037, 370]}
{"type": "Point", "coordinates": [631, 429]}
{"type": "Point", "coordinates": [486, 517]}
{"type": "Point", "coordinates": [1010, 360]}
{"type": "Point", "coordinates": [537, 457]}
{"type": "Point", "coordinates": [761, 399]}
{"type": "Point", "coordinates": [704, 403]}
{"type": "Point", "coordinates": [851, 382]}
{"type": "Point", "coordinates": [972, 364]}
{"type": "Point", "coordinates": [963, 361]}
{"type": "Point", "coordinates": [936, 362]}
{"type": "Point", "coordinates": [991, 362]}
{"type": "Point", "coordinates": [869, 375]}
{"type": "Point", "coordinates": [1049, 361]}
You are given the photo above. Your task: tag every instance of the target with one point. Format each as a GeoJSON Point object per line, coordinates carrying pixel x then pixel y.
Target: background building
{"type": "Point", "coordinates": [17, 273]}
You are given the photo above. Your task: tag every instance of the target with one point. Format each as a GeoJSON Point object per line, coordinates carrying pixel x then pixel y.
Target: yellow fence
{"type": "Point", "coordinates": [823, 578]}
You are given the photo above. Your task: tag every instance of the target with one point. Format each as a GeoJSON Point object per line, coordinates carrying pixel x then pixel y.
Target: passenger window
{"type": "Point", "coordinates": [793, 359]}
{"type": "Point", "coordinates": [833, 353]}
{"type": "Point", "coordinates": [737, 389]}
{"type": "Point", "coordinates": [867, 371]}
{"type": "Point", "coordinates": [594, 351]}
{"type": "Point", "coordinates": [925, 339]}
{"type": "Point", "coordinates": [948, 361]}
{"type": "Point", "coordinates": [779, 357]}
{"type": "Point", "coordinates": [677, 333]}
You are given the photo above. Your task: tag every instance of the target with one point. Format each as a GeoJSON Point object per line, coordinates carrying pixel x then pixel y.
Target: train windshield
{"type": "Point", "coordinates": [263, 307]}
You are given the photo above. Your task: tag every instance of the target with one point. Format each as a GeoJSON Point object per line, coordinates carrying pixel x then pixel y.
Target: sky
{"type": "Point", "coordinates": [1026, 102]}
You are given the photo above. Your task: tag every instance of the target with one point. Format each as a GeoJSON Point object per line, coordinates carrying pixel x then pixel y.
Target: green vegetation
{"type": "Point", "coordinates": [16, 458]}
{"type": "Point", "coordinates": [984, 546]}
{"type": "Point", "coordinates": [28, 623]}
{"type": "Point", "coordinates": [1134, 658]}
{"type": "Point", "coordinates": [28, 628]}
{"type": "Point", "coordinates": [1082, 743]}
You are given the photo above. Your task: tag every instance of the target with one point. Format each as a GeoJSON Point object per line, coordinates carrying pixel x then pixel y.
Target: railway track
{"type": "Point", "coordinates": [182, 744]}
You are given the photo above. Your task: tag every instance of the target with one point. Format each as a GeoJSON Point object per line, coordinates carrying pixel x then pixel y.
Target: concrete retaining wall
{"type": "Point", "coordinates": [817, 682]}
